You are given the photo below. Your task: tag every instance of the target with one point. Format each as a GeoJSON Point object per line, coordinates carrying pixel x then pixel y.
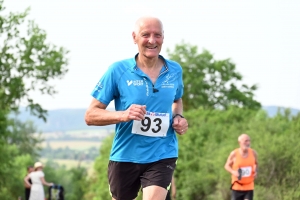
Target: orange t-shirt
{"type": "Point", "coordinates": [247, 165]}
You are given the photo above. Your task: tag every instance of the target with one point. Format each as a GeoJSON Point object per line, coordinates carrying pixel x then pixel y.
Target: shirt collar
{"type": "Point", "coordinates": [135, 67]}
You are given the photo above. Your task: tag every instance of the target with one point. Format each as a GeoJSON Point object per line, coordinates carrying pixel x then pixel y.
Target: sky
{"type": "Point", "coordinates": [261, 37]}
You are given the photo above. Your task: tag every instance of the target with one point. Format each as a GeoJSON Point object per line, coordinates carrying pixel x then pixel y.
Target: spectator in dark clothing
{"type": "Point", "coordinates": [27, 187]}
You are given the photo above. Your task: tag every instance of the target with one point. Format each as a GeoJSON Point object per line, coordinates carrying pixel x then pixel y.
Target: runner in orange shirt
{"type": "Point", "coordinates": [243, 166]}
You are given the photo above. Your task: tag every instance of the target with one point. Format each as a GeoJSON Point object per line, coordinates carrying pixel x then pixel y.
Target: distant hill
{"type": "Point", "coordinates": [273, 110]}
{"type": "Point", "coordinates": [73, 119]}
{"type": "Point", "coordinates": [61, 120]}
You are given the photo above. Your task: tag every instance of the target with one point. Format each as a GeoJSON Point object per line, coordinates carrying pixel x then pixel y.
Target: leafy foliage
{"type": "Point", "coordinates": [27, 63]}
{"type": "Point", "coordinates": [98, 184]}
{"type": "Point", "coordinates": [13, 171]}
{"type": "Point", "coordinates": [26, 138]}
{"type": "Point", "coordinates": [71, 154]}
{"type": "Point", "coordinates": [203, 151]}
{"type": "Point", "coordinates": [213, 135]}
{"type": "Point", "coordinates": [211, 83]}
{"type": "Point", "coordinates": [74, 181]}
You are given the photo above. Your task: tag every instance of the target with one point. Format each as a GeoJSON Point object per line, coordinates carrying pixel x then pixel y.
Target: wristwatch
{"type": "Point", "coordinates": [178, 115]}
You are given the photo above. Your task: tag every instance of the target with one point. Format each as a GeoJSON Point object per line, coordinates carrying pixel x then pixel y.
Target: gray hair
{"type": "Point", "coordinates": [141, 20]}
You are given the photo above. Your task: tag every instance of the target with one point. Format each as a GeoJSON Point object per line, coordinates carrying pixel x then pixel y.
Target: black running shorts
{"type": "Point", "coordinates": [241, 195]}
{"type": "Point", "coordinates": [126, 178]}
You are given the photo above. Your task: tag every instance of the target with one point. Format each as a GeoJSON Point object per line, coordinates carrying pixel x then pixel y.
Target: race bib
{"type": "Point", "coordinates": [246, 171]}
{"type": "Point", "coordinates": [154, 125]}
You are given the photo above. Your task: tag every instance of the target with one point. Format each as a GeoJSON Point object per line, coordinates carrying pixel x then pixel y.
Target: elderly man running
{"type": "Point", "coordinates": [242, 164]}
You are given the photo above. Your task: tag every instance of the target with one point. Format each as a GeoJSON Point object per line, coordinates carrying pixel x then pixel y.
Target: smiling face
{"type": "Point", "coordinates": [148, 36]}
{"type": "Point", "coordinates": [244, 141]}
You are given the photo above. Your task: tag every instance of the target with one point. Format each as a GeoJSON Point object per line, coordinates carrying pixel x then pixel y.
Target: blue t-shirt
{"type": "Point", "coordinates": [126, 84]}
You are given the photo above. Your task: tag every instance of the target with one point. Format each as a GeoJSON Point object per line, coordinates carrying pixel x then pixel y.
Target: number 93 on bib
{"type": "Point", "coordinates": [153, 125]}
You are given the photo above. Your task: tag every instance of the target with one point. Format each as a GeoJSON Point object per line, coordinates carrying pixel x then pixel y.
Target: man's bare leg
{"type": "Point", "coordinates": [154, 193]}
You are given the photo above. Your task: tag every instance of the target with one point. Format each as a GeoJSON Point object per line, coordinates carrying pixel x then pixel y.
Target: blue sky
{"type": "Point", "coordinates": [261, 37]}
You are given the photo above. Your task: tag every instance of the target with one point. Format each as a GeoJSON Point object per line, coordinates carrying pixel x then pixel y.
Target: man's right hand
{"type": "Point", "coordinates": [134, 112]}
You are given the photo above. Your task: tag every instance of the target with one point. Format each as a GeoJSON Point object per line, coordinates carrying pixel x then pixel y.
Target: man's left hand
{"type": "Point", "coordinates": [180, 125]}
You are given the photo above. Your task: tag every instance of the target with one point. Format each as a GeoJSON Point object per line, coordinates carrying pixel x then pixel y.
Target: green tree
{"type": "Point", "coordinates": [98, 184]}
{"type": "Point", "coordinates": [19, 149]}
{"type": "Point", "coordinates": [79, 183]}
{"type": "Point", "coordinates": [203, 151]}
{"type": "Point", "coordinates": [12, 172]}
{"type": "Point", "coordinates": [26, 138]}
{"type": "Point", "coordinates": [27, 63]}
{"type": "Point", "coordinates": [211, 83]}
{"type": "Point", "coordinates": [74, 180]}
{"type": "Point", "coordinates": [213, 134]}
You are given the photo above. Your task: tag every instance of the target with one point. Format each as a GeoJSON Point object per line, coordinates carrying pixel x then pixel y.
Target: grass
{"type": "Point", "coordinates": [75, 144]}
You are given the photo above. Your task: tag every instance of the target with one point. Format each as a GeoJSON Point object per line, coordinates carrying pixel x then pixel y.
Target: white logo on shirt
{"type": "Point", "coordinates": [168, 78]}
{"type": "Point", "coordinates": [129, 82]}
{"type": "Point", "coordinates": [135, 82]}
{"type": "Point", "coordinates": [147, 87]}
{"type": "Point", "coordinates": [98, 87]}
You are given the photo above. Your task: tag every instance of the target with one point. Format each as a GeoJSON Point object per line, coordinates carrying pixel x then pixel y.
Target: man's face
{"type": "Point", "coordinates": [245, 142]}
{"type": "Point", "coordinates": [149, 38]}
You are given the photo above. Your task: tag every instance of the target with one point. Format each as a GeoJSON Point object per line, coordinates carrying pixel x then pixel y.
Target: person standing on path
{"type": "Point", "coordinates": [38, 180]}
{"type": "Point", "coordinates": [27, 187]}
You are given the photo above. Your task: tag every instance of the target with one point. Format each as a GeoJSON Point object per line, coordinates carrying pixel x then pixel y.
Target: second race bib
{"type": "Point", "coordinates": [246, 171]}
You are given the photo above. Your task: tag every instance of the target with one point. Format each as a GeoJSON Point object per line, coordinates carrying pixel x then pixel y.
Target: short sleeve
{"type": "Point", "coordinates": [180, 87]}
{"type": "Point", "coordinates": [106, 89]}
{"type": "Point", "coordinates": [41, 174]}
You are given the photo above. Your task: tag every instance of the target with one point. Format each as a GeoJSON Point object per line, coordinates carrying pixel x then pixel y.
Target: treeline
{"type": "Point", "coordinates": [71, 154]}
{"type": "Point", "coordinates": [71, 138]}
{"type": "Point", "coordinates": [61, 120]}
{"type": "Point", "coordinates": [28, 63]}
{"type": "Point", "coordinates": [20, 149]}
{"type": "Point", "coordinates": [212, 135]}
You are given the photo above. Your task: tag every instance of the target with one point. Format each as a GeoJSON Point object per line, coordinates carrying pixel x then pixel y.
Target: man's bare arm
{"type": "Point", "coordinates": [177, 107]}
{"type": "Point", "coordinates": [97, 115]}
{"type": "Point", "coordinates": [45, 182]}
{"type": "Point", "coordinates": [180, 124]}
{"type": "Point", "coordinates": [26, 181]}
{"type": "Point", "coordinates": [229, 163]}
